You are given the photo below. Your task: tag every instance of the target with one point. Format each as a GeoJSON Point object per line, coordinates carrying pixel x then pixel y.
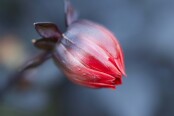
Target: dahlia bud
{"type": "Point", "coordinates": [88, 53]}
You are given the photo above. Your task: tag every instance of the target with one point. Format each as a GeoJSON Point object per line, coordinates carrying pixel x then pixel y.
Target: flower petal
{"type": "Point", "coordinates": [47, 30]}
{"type": "Point", "coordinates": [90, 84]}
{"type": "Point", "coordinates": [45, 43]}
{"type": "Point", "coordinates": [70, 13]}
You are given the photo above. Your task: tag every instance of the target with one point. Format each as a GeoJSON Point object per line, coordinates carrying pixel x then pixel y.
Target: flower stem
{"type": "Point", "coordinates": [17, 76]}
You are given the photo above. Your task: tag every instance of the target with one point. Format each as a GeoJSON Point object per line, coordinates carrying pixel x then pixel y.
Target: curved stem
{"type": "Point", "coordinates": [32, 63]}
{"type": "Point", "coordinates": [36, 61]}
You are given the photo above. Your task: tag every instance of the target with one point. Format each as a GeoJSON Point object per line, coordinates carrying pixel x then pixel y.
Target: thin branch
{"type": "Point", "coordinates": [32, 63]}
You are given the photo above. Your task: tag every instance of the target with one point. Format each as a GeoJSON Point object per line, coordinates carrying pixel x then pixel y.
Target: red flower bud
{"type": "Point", "coordinates": [88, 53]}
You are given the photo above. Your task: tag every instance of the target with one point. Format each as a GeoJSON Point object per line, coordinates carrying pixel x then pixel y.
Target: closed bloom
{"type": "Point", "coordinates": [88, 53]}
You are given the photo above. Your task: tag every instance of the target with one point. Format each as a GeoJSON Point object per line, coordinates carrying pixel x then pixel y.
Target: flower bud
{"type": "Point", "coordinates": [88, 53]}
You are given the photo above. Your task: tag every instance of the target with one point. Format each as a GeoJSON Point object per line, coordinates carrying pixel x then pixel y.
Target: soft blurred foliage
{"type": "Point", "coordinates": [145, 29]}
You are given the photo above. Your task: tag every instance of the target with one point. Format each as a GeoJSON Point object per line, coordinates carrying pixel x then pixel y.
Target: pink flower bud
{"type": "Point", "coordinates": [88, 53]}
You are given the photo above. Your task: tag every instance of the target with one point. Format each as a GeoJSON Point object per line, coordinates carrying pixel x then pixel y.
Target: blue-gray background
{"type": "Point", "coordinates": [145, 29]}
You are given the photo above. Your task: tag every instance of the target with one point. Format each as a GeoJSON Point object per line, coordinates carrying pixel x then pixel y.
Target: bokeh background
{"type": "Point", "coordinates": [145, 29]}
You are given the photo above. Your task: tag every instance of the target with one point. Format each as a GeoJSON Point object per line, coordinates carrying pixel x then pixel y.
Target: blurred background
{"type": "Point", "coordinates": [145, 29]}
